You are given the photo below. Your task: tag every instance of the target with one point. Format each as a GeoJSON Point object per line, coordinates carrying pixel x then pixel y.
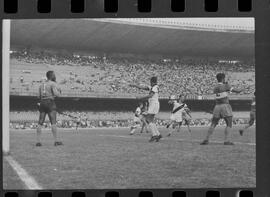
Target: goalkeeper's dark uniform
{"type": "Point", "coordinates": [47, 93]}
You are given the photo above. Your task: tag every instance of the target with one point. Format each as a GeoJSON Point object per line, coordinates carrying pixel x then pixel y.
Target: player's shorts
{"type": "Point", "coordinates": [222, 111]}
{"type": "Point", "coordinates": [176, 118]}
{"type": "Point", "coordinates": [47, 106]}
{"type": "Point", "coordinates": [153, 108]}
{"type": "Point", "coordinates": [136, 119]}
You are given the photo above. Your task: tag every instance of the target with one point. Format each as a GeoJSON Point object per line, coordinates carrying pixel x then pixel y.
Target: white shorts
{"type": "Point", "coordinates": [176, 118]}
{"type": "Point", "coordinates": [137, 119]}
{"type": "Point", "coordinates": [153, 108]}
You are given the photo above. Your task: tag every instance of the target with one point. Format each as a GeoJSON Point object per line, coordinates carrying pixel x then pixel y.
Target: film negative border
{"type": "Point", "coordinates": [44, 6]}
{"type": "Point", "coordinates": [122, 8]}
{"type": "Point", "coordinates": [133, 193]}
{"type": "Point", "coordinates": [260, 9]}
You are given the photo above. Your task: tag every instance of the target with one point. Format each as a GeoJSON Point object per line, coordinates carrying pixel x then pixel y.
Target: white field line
{"type": "Point", "coordinates": [29, 181]}
{"type": "Point", "coordinates": [179, 140]}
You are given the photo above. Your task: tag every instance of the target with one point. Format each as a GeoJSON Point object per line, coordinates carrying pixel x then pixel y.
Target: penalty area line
{"type": "Point", "coordinates": [29, 181]}
{"type": "Point", "coordinates": [180, 140]}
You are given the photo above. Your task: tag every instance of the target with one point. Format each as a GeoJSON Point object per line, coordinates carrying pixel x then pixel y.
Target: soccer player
{"type": "Point", "coordinates": [137, 119]}
{"type": "Point", "coordinates": [176, 117]}
{"type": "Point", "coordinates": [142, 117]}
{"type": "Point", "coordinates": [47, 92]}
{"type": "Point", "coordinates": [186, 112]}
{"type": "Point", "coordinates": [78, 123]}
{"type": "Point", "coordinates": [222, 109]}
{"type": "Point", "coordinates": [252, 116]}
{"type": "Point", "coordinates": [153, 108]}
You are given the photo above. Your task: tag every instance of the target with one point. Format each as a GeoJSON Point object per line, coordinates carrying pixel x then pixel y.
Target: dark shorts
{"type": "Point", "coordinates": [149, 118]}
{"type": "Point", "coordinates": [47, 106]}
{"type": "Point", "coordinates": [175, 124]}
{"type": "Point", "coordinates": [222, 111]}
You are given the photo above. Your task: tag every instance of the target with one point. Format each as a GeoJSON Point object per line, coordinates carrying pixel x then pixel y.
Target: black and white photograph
{"type": "Point", "coordinates": [129, 103]}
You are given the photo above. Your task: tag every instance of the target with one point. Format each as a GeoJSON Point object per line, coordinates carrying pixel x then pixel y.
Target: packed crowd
{"type": "Point", "coordinates": [85, 123]}
{"type": "Point", "coordinates": [112, 75]}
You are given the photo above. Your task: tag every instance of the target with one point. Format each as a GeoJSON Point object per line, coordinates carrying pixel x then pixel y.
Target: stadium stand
{"type": "Point", "coordinates": [97, 75]}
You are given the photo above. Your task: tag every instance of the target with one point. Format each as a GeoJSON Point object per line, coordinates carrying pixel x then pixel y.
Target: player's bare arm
{"type": "Point", "coordinates": [151, 94]}
{"type": "Point", "coordinates": [139, 87]}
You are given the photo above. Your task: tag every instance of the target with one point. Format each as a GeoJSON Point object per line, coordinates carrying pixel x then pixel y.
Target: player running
{"type": "Point", "coordinates": [47, 92]}
{"type": "Point", "coordinates": [186, 113]}
{"type": "Point", "coordinates": [252, 116]}
{"type": "Point", "coordinates": [153, 108]}
{"type": "Point", "coordinates": [222, 109]}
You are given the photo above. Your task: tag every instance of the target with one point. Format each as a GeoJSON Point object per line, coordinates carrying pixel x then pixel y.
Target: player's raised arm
{"type": "Point", "coordinates": [56, 91]}
{"type": "Point", "coordinates": [139, 87]}
{"type": "Point", "coordinates": [150, 95]}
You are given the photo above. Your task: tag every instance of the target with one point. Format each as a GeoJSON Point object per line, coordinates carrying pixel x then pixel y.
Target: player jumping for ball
{"type": "Point", "coordinates": [222, 109]}
{"type": "Point", "coordinates": [252, 116]}
{"type": "Point", "coordinates": [47, 92]}
{"type": "Point", "coordinates": [153, 108]}
{"type": "Point", "coordinates": [176, 117]}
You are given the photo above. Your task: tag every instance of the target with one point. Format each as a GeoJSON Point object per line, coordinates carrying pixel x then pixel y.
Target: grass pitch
{"type": "Point", "coordinates": [111, 158]}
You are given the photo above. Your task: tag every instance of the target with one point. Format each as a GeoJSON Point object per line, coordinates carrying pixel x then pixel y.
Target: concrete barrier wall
{"type": "Point", "coordinates": [28, 103]}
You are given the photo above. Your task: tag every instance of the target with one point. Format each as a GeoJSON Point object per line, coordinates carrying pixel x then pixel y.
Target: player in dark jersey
{"type": "Point", "coordinates": [252, 116]}
{"type": "Point", "coordinates": [47, 92]}
{"type": "Point", "coordinates": [222, 110]}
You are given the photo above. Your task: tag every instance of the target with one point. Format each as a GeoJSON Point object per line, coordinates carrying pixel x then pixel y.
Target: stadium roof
{"type": "Point", "coordinates": [184, 37]}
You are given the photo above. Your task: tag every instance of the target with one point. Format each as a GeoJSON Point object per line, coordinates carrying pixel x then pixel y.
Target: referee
{"type": "Point", "coordinates": [47, 92]}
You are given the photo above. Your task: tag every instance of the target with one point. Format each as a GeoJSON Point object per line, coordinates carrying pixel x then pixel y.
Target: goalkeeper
{"type": "Point", "coordinates": [47, 92]}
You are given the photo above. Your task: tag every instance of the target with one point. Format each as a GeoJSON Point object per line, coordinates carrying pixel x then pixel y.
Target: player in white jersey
{"type": "Point", "coordinates": [186, 112]}
{"type": "Point", "coordinates": [136, 120]}
{"type": "Point", "coordinates": [176, 117]}
{"type": "Point", "coordinates": [153, 108]}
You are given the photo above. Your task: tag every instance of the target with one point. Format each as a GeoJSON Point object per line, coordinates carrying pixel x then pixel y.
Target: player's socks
{"type": "Point", "coordinates": [54, 132]}
{"type": "Point", "coordinates": [228, 131]}
{"type": "Point", "coordinates": [152, 128]}
{"type": "Point", "coordinates": [156, 130]}
{"type": "Point", "coordinates": [38, 133]}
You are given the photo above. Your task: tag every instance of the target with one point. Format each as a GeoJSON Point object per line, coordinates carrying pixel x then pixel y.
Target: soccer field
{"type": "Point", "coordinates": [111, 158]}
